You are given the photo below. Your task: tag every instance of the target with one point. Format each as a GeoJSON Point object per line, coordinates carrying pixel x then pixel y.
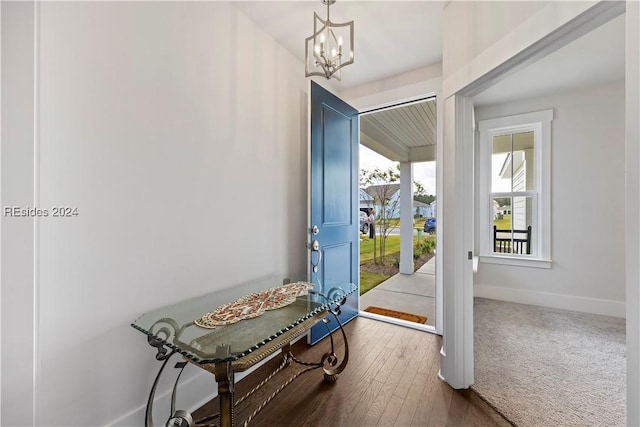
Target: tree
{"type": "Point", "coordinates": [382, 185]}
{"type": "Point", "coordinates": [424, 198]}
{"type": "Point", "coordinates": [421, 195]}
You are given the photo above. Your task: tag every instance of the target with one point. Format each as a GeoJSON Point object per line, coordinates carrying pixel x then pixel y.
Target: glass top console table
{"type": "Point", "coordinates": [232, 329]}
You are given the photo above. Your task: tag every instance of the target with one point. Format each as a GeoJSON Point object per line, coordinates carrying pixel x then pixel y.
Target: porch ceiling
{"type": "Point", "coordinates": [403, 134]}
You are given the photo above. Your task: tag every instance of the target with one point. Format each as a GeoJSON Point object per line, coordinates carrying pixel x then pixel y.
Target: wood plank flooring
{"type": "Point", "coordinates": [391, 380]}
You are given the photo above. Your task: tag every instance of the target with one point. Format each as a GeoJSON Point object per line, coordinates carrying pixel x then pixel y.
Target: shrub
{"type": "Point", "coordinates": [422, 246]}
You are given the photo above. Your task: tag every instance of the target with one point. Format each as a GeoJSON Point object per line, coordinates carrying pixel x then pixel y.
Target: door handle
{"type": "Point", "coordinates": [315, 248]}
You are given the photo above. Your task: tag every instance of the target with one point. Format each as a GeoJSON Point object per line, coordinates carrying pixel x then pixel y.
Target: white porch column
{"type": "Point", "coordinates": [406, 218]}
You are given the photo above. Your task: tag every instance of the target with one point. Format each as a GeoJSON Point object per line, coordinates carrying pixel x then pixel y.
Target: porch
{"type": "Point", "coordinates": [410, 293]}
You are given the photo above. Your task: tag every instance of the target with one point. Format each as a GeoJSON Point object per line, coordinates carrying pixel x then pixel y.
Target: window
{"type": "Point", "coordinates": [515, 189]}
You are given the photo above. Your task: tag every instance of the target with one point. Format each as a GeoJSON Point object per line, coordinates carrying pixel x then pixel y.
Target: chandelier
{"type": "Point", "coordinates": [325, 52]}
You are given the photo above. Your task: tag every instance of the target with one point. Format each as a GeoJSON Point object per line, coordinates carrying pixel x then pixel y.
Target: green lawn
{"type": "Point", "coordinates": [394, 222]}
{"type": "Point", "coordinates": [504, 223]}
{"type": "Point", "coordinates": [393, 246]}
{"type": "Point", "coordinates": [366, 247]}
{"type": "Point", "coordinates": [417, 222]}
{"type": "Point", "coordinates": [369, 281]}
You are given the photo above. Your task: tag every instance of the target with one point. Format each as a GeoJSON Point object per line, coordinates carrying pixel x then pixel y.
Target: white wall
{"type": "Point", "coordinates": [485, 23]}
{"type": "Point", "coordinates": [587, 206]}
{"type": "Point", "coordinates": [390, 91]}
{"type": "Point", "coordinates": [177, 129]}
{"type": "Point", "coordinates": [17, 154]}
{"type": "Point", "coordinates": [479, 36]}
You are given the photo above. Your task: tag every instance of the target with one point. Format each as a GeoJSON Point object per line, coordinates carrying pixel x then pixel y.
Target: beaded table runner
{"type": "Point", "coordinates": [253, 305]}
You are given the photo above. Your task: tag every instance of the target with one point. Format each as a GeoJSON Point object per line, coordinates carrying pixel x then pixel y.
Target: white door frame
{"type": "Point", "coordinates": [381, 101]}
{"type": "Point", "coordinates": [632, 208]}
{"type": "Point", "coordinates": [456, 365]}
{"type": "Point", "coordinates": [456, 222]}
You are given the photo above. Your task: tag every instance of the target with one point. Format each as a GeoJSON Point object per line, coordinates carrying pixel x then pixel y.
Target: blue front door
{"type": "Point", "coordinates": [334, 198]}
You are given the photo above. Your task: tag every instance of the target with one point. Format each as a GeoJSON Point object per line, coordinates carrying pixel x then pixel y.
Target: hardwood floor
{"type": "Point", "coordinates": [391, 380]}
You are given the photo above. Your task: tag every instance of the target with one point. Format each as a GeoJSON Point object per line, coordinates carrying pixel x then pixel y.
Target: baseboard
{"type": "Point", "coordinates": [545, 299]}
{"type": "Point", "coordinates": [200, 387]}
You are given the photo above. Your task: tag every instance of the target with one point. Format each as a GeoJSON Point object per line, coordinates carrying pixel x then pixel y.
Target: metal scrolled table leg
{"type": "Point", "coordinates": [329, 361]}
{"type": "Point", "coordinates": [162, 355]}
{"type": "Point", "coordinates": [166, 329]}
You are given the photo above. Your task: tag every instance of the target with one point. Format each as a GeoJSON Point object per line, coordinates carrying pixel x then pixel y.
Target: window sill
{"type": "Point", "coordinates": [516, 261]}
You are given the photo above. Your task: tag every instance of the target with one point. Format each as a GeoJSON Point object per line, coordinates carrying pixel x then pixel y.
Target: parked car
{"type": "Point", "coordinates": [430, 226]}
{"type": "Point", "coordinates": [364, 222]}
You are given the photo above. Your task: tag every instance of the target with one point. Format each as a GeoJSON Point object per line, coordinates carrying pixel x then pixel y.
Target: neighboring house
{"type": "Point", "coordinates": [366, 201]}
{"type": "Point", "coordinates": [392, 192]}
{"type": "Point", "coordinates": [517, 170]}
{"type": "Point", "coordinates": [499, 211]}
{"type": "Point", "coordinates": [422, 210]}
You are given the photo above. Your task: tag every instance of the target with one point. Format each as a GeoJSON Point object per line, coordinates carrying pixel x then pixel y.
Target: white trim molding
{"type": "Point", "coordinates": [540, 123]}
{"type": "Point", "coordinates": [545, 299]}
{"type": "Point", "coordinates": [632, 209]}
{"type": "Point", "coordinates": [519, 262]}
{"type": "Point", "coordinates": [456, 222]}
{"type": "Point", "coordinates": [554, 26]}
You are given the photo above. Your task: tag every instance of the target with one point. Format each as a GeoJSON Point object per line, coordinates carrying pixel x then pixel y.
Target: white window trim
{"type": "Point", "coordinates": [540, 122]}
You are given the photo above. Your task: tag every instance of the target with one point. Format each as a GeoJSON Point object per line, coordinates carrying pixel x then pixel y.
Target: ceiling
{"type": "Point", "coordinates": [402, 134]}
{"type": "Point", "coordinates": [596, 57]}
{"type": "Point", "coordinates": [391, 37]}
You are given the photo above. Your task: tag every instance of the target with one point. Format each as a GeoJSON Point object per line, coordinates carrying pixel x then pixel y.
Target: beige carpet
{"type": "Point", "coordinates": [547, 367]}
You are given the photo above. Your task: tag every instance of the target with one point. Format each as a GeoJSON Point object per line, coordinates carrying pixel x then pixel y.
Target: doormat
{"type": "Point", "coordinates": [397, 314]}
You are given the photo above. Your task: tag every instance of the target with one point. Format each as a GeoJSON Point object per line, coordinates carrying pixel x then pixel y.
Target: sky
{"type": "Point", "coordinates": [424, 173]}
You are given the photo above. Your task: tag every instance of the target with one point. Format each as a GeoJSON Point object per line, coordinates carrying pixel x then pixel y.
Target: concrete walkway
{"type": "Point", "coordinates": [412, 293]}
